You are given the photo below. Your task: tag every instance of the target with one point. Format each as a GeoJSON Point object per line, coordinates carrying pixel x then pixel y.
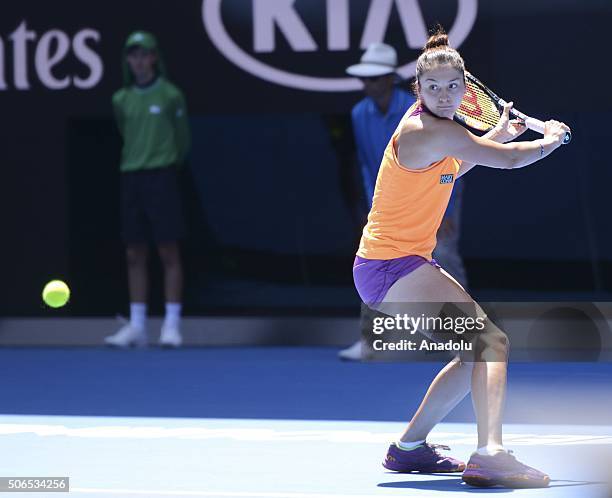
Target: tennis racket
{"type": "Point", "coordinates": [481, 109]}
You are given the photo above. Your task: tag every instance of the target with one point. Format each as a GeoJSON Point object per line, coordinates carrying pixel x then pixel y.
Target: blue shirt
{"type": "Point", "coordinates": [373, 130]}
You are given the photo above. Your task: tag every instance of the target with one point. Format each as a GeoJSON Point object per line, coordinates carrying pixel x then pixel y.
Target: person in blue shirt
{"type": "Point", "coordinates": [374, 120]}
{"type": "Point", "coordinates": [376, 116]}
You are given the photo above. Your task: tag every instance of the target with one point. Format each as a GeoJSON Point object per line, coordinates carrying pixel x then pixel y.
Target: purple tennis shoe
{"type": "Point", "coordinates": [424, 458]}
{"type": "Point", "coordinates": [502, 469]}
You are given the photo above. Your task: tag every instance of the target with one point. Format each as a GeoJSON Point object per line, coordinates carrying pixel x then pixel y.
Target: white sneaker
{"type": "Point", "coordinates": [352, 353]}
{"type": "Point", "coordinates": [126, 337]}
{"type": "Point", "coordinates": [170, 337]}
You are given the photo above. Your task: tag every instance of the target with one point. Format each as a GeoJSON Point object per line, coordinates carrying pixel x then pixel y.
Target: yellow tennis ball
{"type": "Point", "coordinates": [56, 293]}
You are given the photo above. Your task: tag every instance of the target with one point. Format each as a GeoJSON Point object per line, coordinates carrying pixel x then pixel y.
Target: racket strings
{"type": "Point", "coordinates": [478, 109]}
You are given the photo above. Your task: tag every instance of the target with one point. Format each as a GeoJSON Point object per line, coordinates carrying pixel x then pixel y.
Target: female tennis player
{"type": "Point", "coordinates": [424, 157]}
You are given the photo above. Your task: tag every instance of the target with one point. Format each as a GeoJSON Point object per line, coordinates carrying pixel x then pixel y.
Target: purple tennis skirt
{"type": "Point", "coordinates": [374, 277]}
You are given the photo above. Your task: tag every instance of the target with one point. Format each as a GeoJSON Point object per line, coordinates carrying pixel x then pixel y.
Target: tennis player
{"type": "Point", "coordinates": [424, 157]}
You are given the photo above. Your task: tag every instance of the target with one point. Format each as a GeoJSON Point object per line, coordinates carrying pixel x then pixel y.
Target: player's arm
{"type": "Point", "coordinates": [451, 139]}
{"type": "Point", "coordinates": [466, 166]}
{"type": "Point", "coordinates": [506, 130]}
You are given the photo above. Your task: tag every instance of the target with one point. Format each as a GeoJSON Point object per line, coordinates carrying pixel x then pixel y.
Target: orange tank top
{"type": "Point", "coordinates": [408, 206]}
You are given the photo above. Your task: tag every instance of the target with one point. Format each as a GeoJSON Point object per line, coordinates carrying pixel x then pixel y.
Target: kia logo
{"type": "Point", "coordinates": [273, 18]}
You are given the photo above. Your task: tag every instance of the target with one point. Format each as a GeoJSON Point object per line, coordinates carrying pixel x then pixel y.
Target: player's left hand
{"type": "Point", "coordinates": [507, 130]}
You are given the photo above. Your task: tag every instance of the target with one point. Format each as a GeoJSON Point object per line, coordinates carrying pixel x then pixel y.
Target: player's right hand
{"type": "Point", "coordinates": [555, 130]}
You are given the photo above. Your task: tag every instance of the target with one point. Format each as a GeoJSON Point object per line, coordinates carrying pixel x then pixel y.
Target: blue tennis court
{"type": "Point", "coordinates": [277, 422]}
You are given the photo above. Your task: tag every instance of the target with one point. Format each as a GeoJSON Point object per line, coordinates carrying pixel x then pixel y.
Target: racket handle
{"type": "Point", "coordinates": [537, 125]}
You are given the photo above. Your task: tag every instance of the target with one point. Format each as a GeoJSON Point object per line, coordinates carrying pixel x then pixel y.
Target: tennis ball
{"type": "Point", "coordinates": [56, 293]}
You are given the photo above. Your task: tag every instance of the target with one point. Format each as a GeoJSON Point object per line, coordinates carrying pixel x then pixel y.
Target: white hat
{"type": "Point", "coordinates": [379, 59]}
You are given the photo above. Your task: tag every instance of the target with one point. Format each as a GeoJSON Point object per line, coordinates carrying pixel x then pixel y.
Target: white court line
{"type": "Point", "coordinates": [219, 494]}
{"type": "Point", "coordinates": [243, 434]}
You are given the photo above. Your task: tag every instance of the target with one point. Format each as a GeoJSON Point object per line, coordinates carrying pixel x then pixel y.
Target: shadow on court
{"type": "Point", "coordinates": [446, 485]}
{"type": "Point", "coordinates": [456, 484]}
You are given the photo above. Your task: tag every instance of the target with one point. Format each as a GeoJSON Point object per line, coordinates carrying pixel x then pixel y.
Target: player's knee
{"type": "Point", "coordinates": [492, 344]}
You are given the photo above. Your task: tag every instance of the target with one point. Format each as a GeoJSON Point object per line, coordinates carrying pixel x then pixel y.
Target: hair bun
{"type": "Point", "coordinates": [437, 52]}
{"type": "Point", "coordinates": [439, 39]}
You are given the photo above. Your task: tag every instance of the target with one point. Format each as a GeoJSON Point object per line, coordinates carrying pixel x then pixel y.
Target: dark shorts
{"type": "Point", "coordinates": [151, 209]}
{"type": "Point", "coordinates": [374, 277]}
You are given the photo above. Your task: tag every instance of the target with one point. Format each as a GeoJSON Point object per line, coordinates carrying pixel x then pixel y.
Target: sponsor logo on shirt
{"type": "Point", "coordinates": [446, 178]}
{"type": "Point", "coordinates": [154, 109]}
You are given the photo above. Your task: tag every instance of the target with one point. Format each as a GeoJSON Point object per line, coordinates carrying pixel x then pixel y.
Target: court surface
{"type": "Point", "coordinates": [277, 422]}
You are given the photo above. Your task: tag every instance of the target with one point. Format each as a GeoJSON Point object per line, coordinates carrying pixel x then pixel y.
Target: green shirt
{"type": "Point", "coordinates": [154, 125]}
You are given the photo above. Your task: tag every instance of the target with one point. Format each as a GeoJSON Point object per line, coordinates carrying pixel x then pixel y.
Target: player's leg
{"type": "Point", "coordinates": [445, 392]}
{"type": "Point", "coordinates": [489, 434]}
{"type": "Point", "coordinates": [427, 288]}
{"type": "Point", "coordinates": [490, 465]}
{"type": "Point", "coordinates": [428, 284]}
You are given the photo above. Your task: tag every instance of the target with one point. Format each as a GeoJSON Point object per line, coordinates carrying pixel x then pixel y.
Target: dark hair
{"type": "Point", "coordinates": [437, 51]}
